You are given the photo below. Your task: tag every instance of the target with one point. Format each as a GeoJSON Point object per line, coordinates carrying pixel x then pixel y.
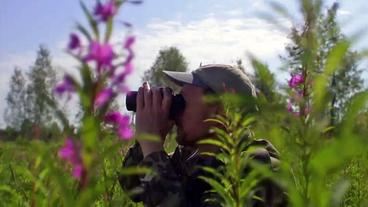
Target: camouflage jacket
{"type": "Point", "coordinates": [176, 183]}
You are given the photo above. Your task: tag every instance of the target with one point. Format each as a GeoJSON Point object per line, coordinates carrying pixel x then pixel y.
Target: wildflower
{"type": "Point", "coordinates": [128, 68]}
{"type": "Point", "coordinates": [105, 11]}
{"type": "Point", "coordinates": [74, 42]}
{"type": "Point", "coordinates": [122, 124]}
{"type": "Point", "coordinates": [128, 45]}
{"type": "Point", "coordinates": [78, 171]}
{"type": "Point", "coordinates": [296, 80]}
{"type": "Point", "coordinates": [70, 152]}
{"type": "Point", "coordinates": [67, 152]}
{"type": "Point", "coordinates": [103, 97]}
{"type": "Point", "coordinates": [66, 86]}
{"type": "Point", "coordinates": [129, 42]}
{"type": "Point", "coordinates": [101, 53]}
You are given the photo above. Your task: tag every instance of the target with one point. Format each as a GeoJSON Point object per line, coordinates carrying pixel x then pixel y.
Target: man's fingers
{"type": "Point", "coordinates": [167, 99]}
{"type": "Point", "coordinates": [156, 98]}
{"type": "Point", "coordinates": [140, 99]}
{"type": "Point", "coordinates": [147, 95]}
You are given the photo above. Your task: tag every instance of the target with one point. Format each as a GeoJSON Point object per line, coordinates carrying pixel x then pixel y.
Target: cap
{"type": "Point", "coordinates": [217, 77]}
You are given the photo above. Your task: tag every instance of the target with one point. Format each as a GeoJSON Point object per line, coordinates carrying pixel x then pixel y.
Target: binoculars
{"type": "Point", "coordinates": [177, 104]}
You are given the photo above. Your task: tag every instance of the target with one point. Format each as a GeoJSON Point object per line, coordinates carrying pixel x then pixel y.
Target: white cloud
{"type": "Point", "coordinates": [343, 12]}
{"type": "Point", "coordinates": [210, 40]}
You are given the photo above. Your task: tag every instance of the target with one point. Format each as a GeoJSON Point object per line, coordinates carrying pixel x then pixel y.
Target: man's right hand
{"type": "Point", "coordinates": [152, 116]}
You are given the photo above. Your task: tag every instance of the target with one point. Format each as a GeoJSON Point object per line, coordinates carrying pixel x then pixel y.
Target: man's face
{"type": "Point", "coordinates": [190, 125]}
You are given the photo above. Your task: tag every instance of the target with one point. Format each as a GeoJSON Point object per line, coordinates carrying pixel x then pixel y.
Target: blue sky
{"type": "Point", "coordinates": [206, 31]}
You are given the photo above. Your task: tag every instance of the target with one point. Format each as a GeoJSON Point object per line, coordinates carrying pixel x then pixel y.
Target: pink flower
{"type": "Point", "coordinates": [78, 171]}
{"type": "Point", "coordinates": [74, 42]}
{"type": "Point", "coordinates": [101, 53]}
{"type": "Point", "coordinates": [292, 109]}
{"type": "Point", "coordinates": [105, 11]}
{"type": "Point", "coordinates": [66, 86]}
{"type": "Point", "coordinates": [103, 97]}
{"type": "Point", "coordinates": [122, 122]}
{"type": "Point", "coordinates": [129, 42]}
{"type": "Point", "coordinates": [296, 80]}
{"type": "Point", "coordinates": [124, 132]}
{"type": "Point", "coordinates": [128, 45]}
{"type": "Point", "coordinates": [70, 153]}
{"type": "Point", "coordinates": [119, 79]}
{"type": "Point", "coordinates": [67, 151]}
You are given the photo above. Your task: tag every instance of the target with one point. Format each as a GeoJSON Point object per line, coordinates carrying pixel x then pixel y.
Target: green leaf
{"type": "Point", "coordinates": [218, 188]}
{"type": "Point", "coordinates": [216, 175]}
{"type": "Point", "coordinates": [356, 104]}
{"type": "Point", "coordinates": [215, 143]}
{"type": "Point", "coordinates": [333, 61]}
{"type": "Point", "coordinates": [216, 121]}
{"type": "Point", "coordinates": [109, 27]}
{"type": "Point", "coordinates": [84, 31]}
{"type": "Point", "coordinates": [333, 156]}
{"type": "Point", "coordinates": [92, 22]}
{"type": "Point", "coordinates": [12, 192]}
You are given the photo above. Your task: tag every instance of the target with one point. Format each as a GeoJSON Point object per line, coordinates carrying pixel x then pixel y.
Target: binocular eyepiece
{"type": "Point", "coordinates": [177, 104]}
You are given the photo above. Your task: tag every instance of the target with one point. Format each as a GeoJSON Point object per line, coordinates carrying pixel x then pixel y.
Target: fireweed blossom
{"type": "Point", "coordinates": [122, 123]}
{"type": "Point", "coordinates": [296, 80]}
{"type": "Point", "coordinates": [74, 42]}
{"type": "Point", "coordinates": [70, 153]}
{"type": "Point", "coordinates": [128, 46]}
{"type": "Point", "coordinates": [119, 78]}
{"type": "Point", "coordinates": [103, 97]}
{"type": "Point", "coordinates": [102, 54]}
{"type": "Point", "coordinates": [99, 61]}
{"type": "Point", "coordinates": [105, 11]}
{"type": "Point", "coordinates": [67, 85]}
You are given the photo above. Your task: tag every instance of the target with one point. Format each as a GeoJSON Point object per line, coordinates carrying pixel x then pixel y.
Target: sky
{"type": "Point", "coordinates": [205, 31]}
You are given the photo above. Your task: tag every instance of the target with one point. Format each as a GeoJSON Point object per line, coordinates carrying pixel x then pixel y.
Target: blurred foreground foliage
{"type": "Point", "coordinates": [323, 162]}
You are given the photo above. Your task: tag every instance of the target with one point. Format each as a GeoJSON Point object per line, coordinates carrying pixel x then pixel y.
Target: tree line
{"type": "Point", "coordinates": [30, 100]}
{"type": "Point", "coordinates": [29, 110]}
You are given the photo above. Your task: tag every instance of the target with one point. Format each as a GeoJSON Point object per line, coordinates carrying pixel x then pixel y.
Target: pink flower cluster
{"type": "Point", "coordinates": [103, 55]}
{"type": "Point", "coordinates": [105, 11]}
{"type": "Point", "coordinates": [296, 80]}
{"type": "Point", "coordinates": [70, 152]}
{"type": "Point", "coordinates": [122, 124]}
{"type": "Point", "coordinates": [108, 70]}
{"type": "Point", "coordinates": [296, 83]}
{"type": "Point", "coordinates": [66, 86]}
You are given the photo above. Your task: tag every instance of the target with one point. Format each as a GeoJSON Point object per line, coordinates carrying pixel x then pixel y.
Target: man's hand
{"type": "Point", "coordinates": [152, 116]}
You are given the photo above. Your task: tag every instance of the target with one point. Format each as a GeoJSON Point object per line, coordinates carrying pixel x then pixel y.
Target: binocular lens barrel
{"type": "Point", "coordinates": [177, 105]}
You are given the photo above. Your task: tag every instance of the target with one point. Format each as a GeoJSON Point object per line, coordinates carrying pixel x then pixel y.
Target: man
{"type": "Point", "coordinates": [175, 181]}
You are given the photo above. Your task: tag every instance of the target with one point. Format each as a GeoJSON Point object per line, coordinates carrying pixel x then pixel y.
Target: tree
{"type": "Point", "coordinates": [39, 97]}
{"type": "Point", "coordinates": [15, 112]}
{"type": "Point", "coordinates": [168, 59]}
{"type": "Point", "coordinates": [346, 81]}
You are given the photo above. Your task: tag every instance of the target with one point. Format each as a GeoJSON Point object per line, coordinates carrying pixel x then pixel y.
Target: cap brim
{"type": "Point", "coordinates": [179, 78]}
